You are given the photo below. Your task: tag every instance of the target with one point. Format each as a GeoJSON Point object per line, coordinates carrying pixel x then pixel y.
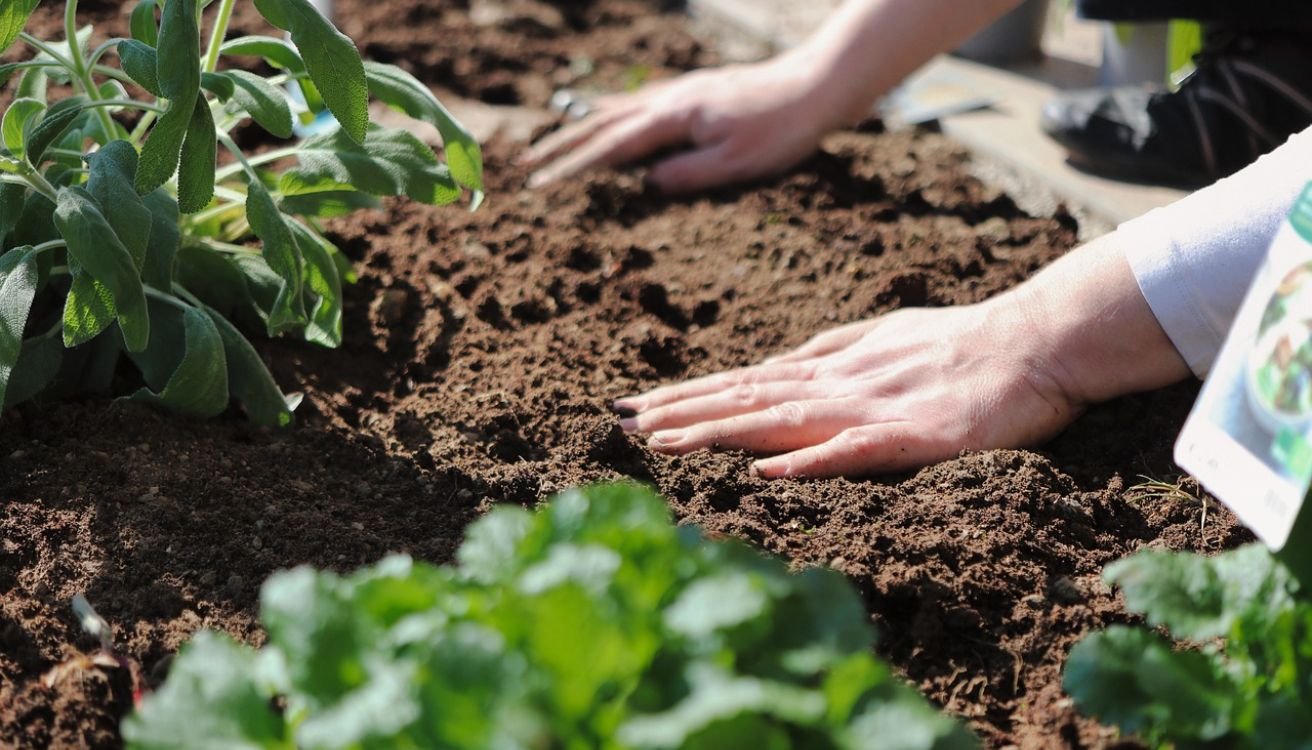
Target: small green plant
{"type": "Point", "coordinates": [123, 237]}
{"type": "Point", "coordinates": [595, 623]}
{"type": "Point", "coordinates": [1244, 682]}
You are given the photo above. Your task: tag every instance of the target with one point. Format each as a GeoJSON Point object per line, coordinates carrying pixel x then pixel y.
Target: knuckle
{"type": "Point", "coordinates": [745, 394]}
{"type": "Point", "coordinates": [788, 414]}
{"type": "Point", "coordinates": [857, 442]}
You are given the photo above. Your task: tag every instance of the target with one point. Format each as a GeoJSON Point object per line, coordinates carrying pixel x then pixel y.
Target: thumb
{"type": "Point", "coordinates": [705, 167]}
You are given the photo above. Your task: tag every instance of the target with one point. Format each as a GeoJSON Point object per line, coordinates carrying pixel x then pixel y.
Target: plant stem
{"type": "Point", "coordinates": [228, 247]}
{"type": "Point", "coordinates": [255, 161]}
{"type": "Point", "coordinates": [49, 51]}
{"type": "Point", "coordinates": [163, 296]}
{"type": "Point", "coordinates": [40, 184]}
{"type": "Point", "coordinates": [49, 245]}
{"type": "Point", "coordinates": [217, 35]}
{"type": "Point", "coordinates": [80, 71]}
{"type": "Point", "coordinates": [127, 104]}
{"type": "Point", "coordinates": [232, 147]}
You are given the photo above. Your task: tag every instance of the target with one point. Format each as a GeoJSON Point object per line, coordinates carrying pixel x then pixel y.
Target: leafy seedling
{"type": "Point", "coordinates": [595, 623]}
{"type": "Point", "coordinates": [131, 259]}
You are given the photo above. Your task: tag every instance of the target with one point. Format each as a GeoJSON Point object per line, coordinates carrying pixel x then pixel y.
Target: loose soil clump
{"type": "Point", "coordinates": [482, 350]}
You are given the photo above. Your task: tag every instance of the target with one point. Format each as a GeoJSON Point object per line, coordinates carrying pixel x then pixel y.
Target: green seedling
{"type": "Point", "coordinates": [124, 239]}
{"type": "Point", "coordinates": [595, 623]}
{"type": "Point", "coordinates": [1242, 680]}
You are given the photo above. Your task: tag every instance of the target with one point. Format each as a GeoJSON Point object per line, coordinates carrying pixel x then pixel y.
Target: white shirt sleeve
{"type": "Point", "coordinates": [1195, 258]}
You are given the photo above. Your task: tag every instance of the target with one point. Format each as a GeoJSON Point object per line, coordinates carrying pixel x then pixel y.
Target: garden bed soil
{"type": "Point", "coordinates": [481, 352]}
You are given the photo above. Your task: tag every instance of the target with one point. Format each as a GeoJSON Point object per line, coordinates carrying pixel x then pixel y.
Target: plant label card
{"type": "Point", "coordinates": [1249, 436]}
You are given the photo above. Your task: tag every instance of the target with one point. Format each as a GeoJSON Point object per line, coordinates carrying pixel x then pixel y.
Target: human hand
{"type": "Point", "coordinates": [893, 393]}
{"type": "Point", "coordinates": [741, 121]}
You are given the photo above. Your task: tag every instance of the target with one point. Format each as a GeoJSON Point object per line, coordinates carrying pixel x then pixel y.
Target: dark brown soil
{"type": "Point", "coordinates": [481, 352]}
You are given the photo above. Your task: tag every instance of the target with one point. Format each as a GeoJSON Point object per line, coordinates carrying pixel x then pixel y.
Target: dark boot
{"type": "Point", "coordinates": [1248, 94]}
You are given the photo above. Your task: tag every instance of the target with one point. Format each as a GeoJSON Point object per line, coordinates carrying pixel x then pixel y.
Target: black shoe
{"type": "Point", "coordinates": [1248, 94]}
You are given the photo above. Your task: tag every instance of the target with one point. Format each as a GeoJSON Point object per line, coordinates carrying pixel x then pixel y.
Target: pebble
{"type": "Point", "coordinates": [390, 306]}
{"type": "Point", "coordinates": [18, 454]}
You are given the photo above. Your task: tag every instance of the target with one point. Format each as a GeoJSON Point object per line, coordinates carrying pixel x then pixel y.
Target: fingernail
{"type": "Point", "coordinates": [665, 439]}
{"type": "Point", "coordinates": [624, 410]}
{"type": "Point", "coordinates": [629, 425]}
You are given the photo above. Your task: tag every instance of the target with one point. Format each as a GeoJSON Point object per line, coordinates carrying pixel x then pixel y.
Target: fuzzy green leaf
{"type": "Point", "coordinates": [13, 17]}
{"type": "Point", "coordinates": [140, 62]}
{"type": "Point", "coordinates": [282, 255]}
{"type": "Point", "coordinates": [276, 52]}
{"type": "Point", "coordinates": [391, 162]}
{"type": "Point", "coordinates": [331, 59]}
{"type": "Point", "coordinates": [18, 282]}
{"type": "Point", "coordinates": [178, 71]}
{"type": "Point", "coordinates": [38, 364]}
{"type": "Point", "coordinates": [214, 672]}
{"type": "Point", "coordinates": [142, 23]}
{"type": "Point", "coordinates": [93, 244]}
{"type": "Point", "coordinates": [12, 198]}
{"type": "Point", "coordinates": [321, 279]}
{"type": "Point", "coordinates": [327, 204]}
{"type": "Point", "coordinates": [88, 309]}
{"type": "Point", "coordinates": [1133, 678]}
{"type": "Point", "coordinates": [112, 170]}
{"type": "Point", "coordinates": [56, 122]}
{"type": "Point", "coordinates": [249, 380]}
{"type": "Point", "coordinates": [18, 123]}
{"type": "Point", "coordinates": [189, 346]}
{"type": "Point", "coordinates": [165, 239]}
{"type": "Point", "coordinates": [196, 167]}
{"type": "Point", "coordinates": [177, 54]}
{"type": "Point", "coordinates": [265, 103]}
{"type": "Point", "coordinates": [404, 92]}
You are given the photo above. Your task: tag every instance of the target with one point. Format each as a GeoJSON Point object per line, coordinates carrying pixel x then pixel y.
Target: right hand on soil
{"type": "Point", "coordinates": [898, 392]}
{"type": "Point", "coordinates": [740, 122]}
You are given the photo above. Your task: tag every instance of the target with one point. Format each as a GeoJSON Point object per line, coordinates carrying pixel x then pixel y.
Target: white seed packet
{"type": "Point", "coordinates": [1249, 436]}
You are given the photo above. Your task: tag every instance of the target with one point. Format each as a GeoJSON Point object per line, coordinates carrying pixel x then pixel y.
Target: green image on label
{"type": "Point", "coordinates": [1301, 216]}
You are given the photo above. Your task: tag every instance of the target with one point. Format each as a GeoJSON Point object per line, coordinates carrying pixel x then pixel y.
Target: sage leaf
{"type": "Point", "coordinates": [141, 64]}
{"type": "Point", "coordinates": [276, 52]}
{"type": "Point", "coordinates": [321, 279]}
{"type": "Point", "coordinates": [331, 59]}
{"type": "Point", "coordinates": [185, 344]}
{"type": "Point", "coordinates": [112, 170]}
{"type": "Point", "coordinates": [177, 67]}
{"type": "Point", "coordinates": [142, 23]}
{"type": "Point", "coordinates": [56, 122]}
{"type": "Point", "coordinates": [88, 308]}
{"type": "Point", "coordinates": [17, 124]}
{"type": "Point", "coordinates": [390, 162]}
{"type": "Point", "coordinates": [402, 91]}
{"type": "Point", "coordinates": [282, 255]}
{"type": "Point", "coordinates": [18, 282]}
{"type": "Point", "coordinates": [13, 17]}
{"type": "Point", "coordinates": [165, 239]}
{"type": "Point", "coordinates": [265, 103]}
{"type": "Point", "coordinates": [93, 244]}
{"type": "Point", "coordinates": [38, 364]}
{"type": "Point", "coordinates": [196, 167]}
{"type": "Point", "coordinates": [249, 380]}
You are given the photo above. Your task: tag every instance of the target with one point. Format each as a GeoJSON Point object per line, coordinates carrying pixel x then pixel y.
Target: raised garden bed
{"type": "Point", "coordinates": [482, 349]}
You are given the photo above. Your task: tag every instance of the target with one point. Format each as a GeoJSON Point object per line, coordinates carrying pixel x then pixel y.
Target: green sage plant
{"type": "Point", "coordinates": [123, 238]}
{"type": "Point", "coordinates": [594, 623]}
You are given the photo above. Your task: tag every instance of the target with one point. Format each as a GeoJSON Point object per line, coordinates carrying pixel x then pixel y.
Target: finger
{"type": "Point", "coordinates": [707, 167]}
{"type": "Point", "coordinates": [784, 427]}
{"type": "Point", "coordinates": [572, 134]}
{"type": "Point", "coordinates": [730, 402]}
{"type": "Point", "coordinates": [714, 383]}
{"type": "Point", "coordinates": [625, 140]}
{"type": "Point", "coordinates": [827, 343]}
{"type": "Point", "coordinates": [860, 451]}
